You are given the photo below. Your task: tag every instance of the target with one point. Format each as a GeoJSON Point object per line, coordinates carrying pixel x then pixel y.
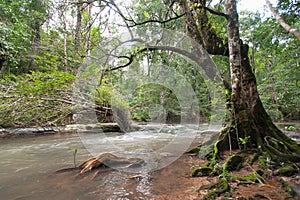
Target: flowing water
{"type": "Point", "coordinates": [28, 165]}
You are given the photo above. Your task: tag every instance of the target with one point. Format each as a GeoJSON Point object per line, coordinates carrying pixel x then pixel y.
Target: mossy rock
{"type": "Point", "coordinates": [110, 127]}
{"type": "Point", "coordinates": [234, 163]}
{"type": "Point", "coordinates": [203, 171]}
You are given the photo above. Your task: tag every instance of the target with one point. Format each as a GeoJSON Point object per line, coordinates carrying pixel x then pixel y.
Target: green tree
{"type": "Point", "coordinates": [274, 59]}
{"type": "Point", "coordinates": [19, 32]}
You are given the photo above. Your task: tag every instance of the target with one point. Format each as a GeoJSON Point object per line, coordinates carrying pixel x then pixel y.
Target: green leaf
{"type": "Point", "coordinates": [146, 14]}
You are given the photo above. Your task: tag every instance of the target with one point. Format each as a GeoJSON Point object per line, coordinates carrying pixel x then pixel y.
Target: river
{"type": "Point", "coordinates": [28, 165]}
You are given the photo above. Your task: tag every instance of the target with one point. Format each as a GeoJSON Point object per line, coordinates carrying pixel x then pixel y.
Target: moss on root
{"type": "Point", "coordinates": [216, 189]}
{"type": "Point", "coordinates": [287, 170]}
{"type": "Point", "coordinates": [254, 158]}
{"type": "Point", "coordinates": [203, 171]}
{"type": "Point", "coordinates": [272, 150]}
{"type": "Point", "coordinates": [254, 177]}
{"type": "Point", "coordinates": [234, 163]}
{"type": "Point", "coordinates": [194, 150]}
{"type": "Point", "coordinates": [288, 188]}
{"type": "Point", "coordinates": [283, 149]}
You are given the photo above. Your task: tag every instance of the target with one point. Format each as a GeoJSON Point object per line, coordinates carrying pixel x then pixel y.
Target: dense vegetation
{"type": "Point", "coordinates": [43, 44]}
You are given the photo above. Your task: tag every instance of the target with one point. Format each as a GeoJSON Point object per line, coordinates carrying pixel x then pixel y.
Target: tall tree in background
{"type": "Point", "coordinates": [20, 23]}
{"type": "Point", "coordinates": [39, 10]}
{"type": "Point", "coordinates": [78, 25]}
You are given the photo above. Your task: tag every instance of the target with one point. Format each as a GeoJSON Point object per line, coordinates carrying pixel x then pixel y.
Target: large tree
{"type": "Point", "coordinates": [248, 118]}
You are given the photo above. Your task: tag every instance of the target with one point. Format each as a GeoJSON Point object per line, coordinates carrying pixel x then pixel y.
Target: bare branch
{"type": "Point", "coordinates": [130, 60]}
{"type": "Point", "coordinates": [197, 55]}
{"type": "Point", "coordinates": [214, 12]}
{"type": "Point", "coordinates": [287, 27]}
{"type": "Point", "coordinates": [156, 21]}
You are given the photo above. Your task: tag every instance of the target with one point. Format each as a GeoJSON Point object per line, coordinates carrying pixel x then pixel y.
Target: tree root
{"type": "Point", "coordinates": [281, 151]}
{"type": "Point", "coordinates": [111, 161]}
{"type": "Point", "coordinates": [288, 188]}
{"type": "Point", "coordinates": [215, 189]}
{"type": "Point", "coordinates": [262, 170]}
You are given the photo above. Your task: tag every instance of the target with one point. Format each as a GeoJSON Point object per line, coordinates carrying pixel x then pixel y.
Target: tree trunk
{"type": "Point", "coordinates": [248, 119]}
{"type": "Point", "coordinates": [2, 60]}
{"type": "Point", "coordinates": [78, 26]}
{"type": "Point", "coordinates": [248, 116]}
{"type": "Point", "coordinates": [64, 15]}
{"type": "Point", "coordinates": [35, 42]}
{"type": "Point", "coordinates": [89, 29]}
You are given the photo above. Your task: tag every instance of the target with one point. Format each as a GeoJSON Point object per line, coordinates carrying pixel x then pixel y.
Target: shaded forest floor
{"type": "Point", "coordinates": [181, 185]}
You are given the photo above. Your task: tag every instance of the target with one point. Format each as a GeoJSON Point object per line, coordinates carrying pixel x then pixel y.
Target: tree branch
{"type": "Point", "coordinates": [199, 56]}
{"type": "Point", "coordinates": [214, 12]}
{"type": "Point", "coordinates": [287, 27]}
{"type": "Point", "coordinates": [156, 21]}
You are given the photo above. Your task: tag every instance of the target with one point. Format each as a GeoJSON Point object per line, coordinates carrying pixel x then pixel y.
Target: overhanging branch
{"type": "Point", "coordinates": [199, 56]}
{"type": "Point", "coordinates": [286, 26]}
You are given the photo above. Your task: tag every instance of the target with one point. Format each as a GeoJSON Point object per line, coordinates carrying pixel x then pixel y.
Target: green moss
{"type": "Point", "coordinates": [234, 162]}
{"type": "Point", "coordinates": [206, 151]}
{"type": "Point", "coordinates": [194, 150]}
{"type": "Point", "coordinates": [254, 177]}
{"type": "Point", "coordinates": [254, 158]}
{"type": "Point", "coordinates": [249, 178]}
{"type": "Point", "coordinates": [287, 170]}
{"type": "Point", "coordinates": [262, 163]}
{"type": "Point", "coordinates": [288, 188]}
{"type": "Point", "coordinates": [203, 171]}
{"type": "Point", "coordinates": [216, 189]}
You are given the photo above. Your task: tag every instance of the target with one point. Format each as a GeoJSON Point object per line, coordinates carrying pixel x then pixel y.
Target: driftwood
{"type": "Point", "coordinates": [109, 160]}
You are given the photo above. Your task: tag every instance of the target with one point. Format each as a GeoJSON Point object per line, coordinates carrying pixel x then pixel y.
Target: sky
{"type": "Point", "coordinates": [254, 5]}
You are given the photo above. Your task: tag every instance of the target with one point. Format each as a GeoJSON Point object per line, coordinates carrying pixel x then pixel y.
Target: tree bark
{"type": "Point", "coordinates": [2, 60]}
{"type": "Point", "coordinates": [78, 26]}
{"type": "Point", "coordinates": [64, 15]}
{"type": "Point", "coordinates": [89, 29]}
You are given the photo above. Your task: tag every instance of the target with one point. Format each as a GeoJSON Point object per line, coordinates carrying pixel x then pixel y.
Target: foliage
{"type": "Point", "coordinates": [276, 65]}
{"type": "Point", "coordinates": [17, 21]}
{"type": "Point", "coordinates": [43, 51]}
{"type": "Point", "coordinates": [51, 54]}
{"type": "Point", "coordinates": [36, 99]}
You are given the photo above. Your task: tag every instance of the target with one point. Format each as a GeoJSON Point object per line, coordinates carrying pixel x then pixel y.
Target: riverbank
{"type": "Point", "coordinates": [292, 129]}
{"type": "Point", "coordinates": [68, 129]}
